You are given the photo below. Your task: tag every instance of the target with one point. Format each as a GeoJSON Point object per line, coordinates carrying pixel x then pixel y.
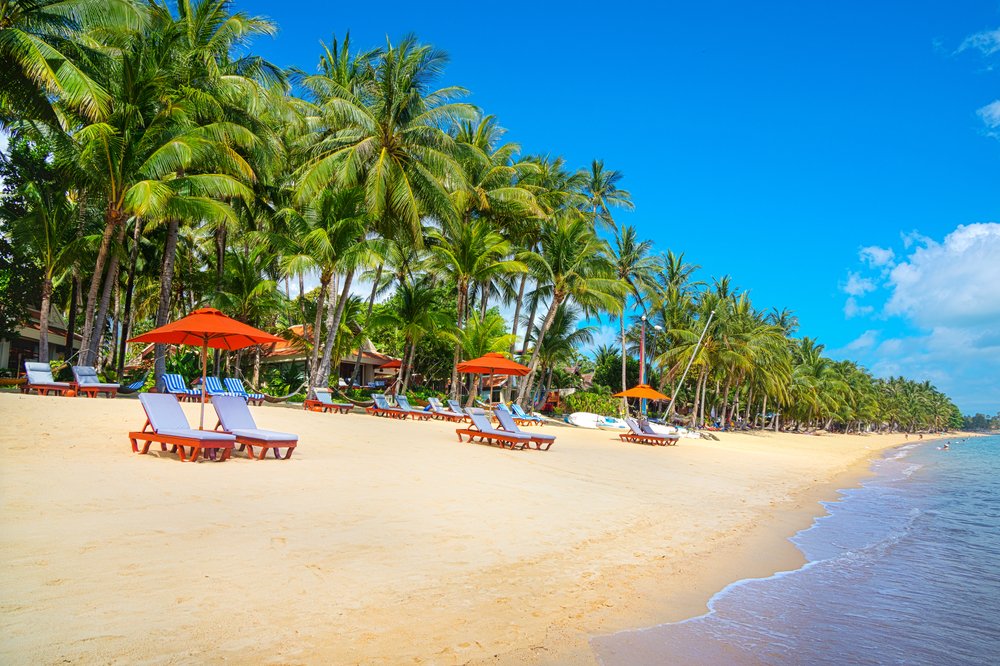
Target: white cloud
{"type": "Point", "coordinates": [991, 114]}
{"type": "Point", "coordinates": [877, 257]}
{"type": "Point", "coordinates": [948, 293]}
{"type": "Point", "coordinates": [986, 42]}
{"type": "Point", "coordinates": [956, 282]}
{"type": "Point", "coordinates": [857, 285]}
{"type": "Point", "coordinates": [863, 343]}
{"type": "Point", "coordinates": [853, 309]}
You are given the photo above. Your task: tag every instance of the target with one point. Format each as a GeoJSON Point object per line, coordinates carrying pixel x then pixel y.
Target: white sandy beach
{"type": "Point", "coordinates": [379, 542]}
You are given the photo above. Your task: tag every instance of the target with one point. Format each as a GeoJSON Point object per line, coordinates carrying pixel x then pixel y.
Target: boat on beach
{"type": "Point", "coordinates": [596, 421]}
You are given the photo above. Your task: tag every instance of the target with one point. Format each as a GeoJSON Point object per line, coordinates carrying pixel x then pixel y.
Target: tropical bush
{"type": "Point", "coordinates": [597, 400]}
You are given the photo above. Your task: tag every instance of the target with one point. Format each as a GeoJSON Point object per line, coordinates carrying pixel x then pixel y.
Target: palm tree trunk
{"type": "Point", "coordinates": [486, 299]}
{"type": "Point", "coordinates": [517, 311]}
{"type": "Point", "coordinates": [457, 357]}
{"type": "Point", "coordinates": [166, 285]}
{"type": "Point", "coordinates": [43, 320]}
{"type": "Point", "coordinates": [112, 220]}
{"type": "Point", "coordinates": [725, 403]}
{"type": "Point", "coordinates": [339, 314]}
{"type": "Point", "coordinates": [763, 412]}
{"type": "Point", "coordinates": [110, 284]}
{"type": "Point", "coordinates": [332, 328]}
{"type": "Point", "coordinates": [530, 325]}
{"type": "Point", "coordinates": [407, 369]}
{"type": "Point", "coordinates": [324, 283]}
{"type": "Point", "coordinates": [256, 366]}
{"type": "Point", "coordinates": [697, 397]}
{"type": "Point", "coordinates": [621, 325]}
{"type": "Point", "coordinates": [368, 316]}
{"type": "Point", "coordinates": [525, 389]}
{"type": "Point", "coordinates": [127, 310]}
{"type": "Point", "coordinates": [74, 296]}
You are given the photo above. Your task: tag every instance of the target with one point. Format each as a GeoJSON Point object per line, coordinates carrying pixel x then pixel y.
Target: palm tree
{"type": "Point", "coordinates": [564, 338]}
{"type": "Point", "coordinates": [43, 60]}
{"type": "Point", "coordinates": [603, 194]}
{"type": "Point", "coordinates": [49, 231]}
{"type": "Point", "coordinates": [481, 335]}
{"type": "Point", "coordinates": [415, 315]}
{"type": "Point", "coordinates": [466, 254]}
{"type": "Point", "coordinates": [635, 267]}
{"type": "Point", "coordinates": [575, 264]}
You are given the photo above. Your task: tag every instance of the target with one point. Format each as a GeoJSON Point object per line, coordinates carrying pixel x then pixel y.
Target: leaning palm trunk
{"type": "Point", "coordinates": [110, 285]}
{"type": "Point", "coordinates": [313, 369]}
{"type": "Point", "coordinates": [322, 377]}
{"type": "Point", "coordinates": [166, 285]}
{"type": "Point", "coordinates": [525, 389]}
{"type": "Point", "coordinates": [368, 316]}
{"type": "Point", "coordinates": [127, 309]}
{"type": "Point", "coordinates": [112, 220]}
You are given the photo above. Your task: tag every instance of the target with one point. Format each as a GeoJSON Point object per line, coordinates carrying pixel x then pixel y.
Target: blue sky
{"type": "Point", "coordinates": [771, 141]}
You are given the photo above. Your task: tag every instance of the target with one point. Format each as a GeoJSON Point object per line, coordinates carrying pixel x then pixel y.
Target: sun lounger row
{"type": "Point", "coordinates": [323, 402]}
{"type": "Point", "coordinates": [232, 386]}
{"type": "Point", "coordinates": [86, 382]}
{"type": "Point", "coordinates": [167, 426]}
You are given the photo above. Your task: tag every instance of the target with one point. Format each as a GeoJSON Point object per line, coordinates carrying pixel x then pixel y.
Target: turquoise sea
{"type": "Point", "coordinates": [904, 570]}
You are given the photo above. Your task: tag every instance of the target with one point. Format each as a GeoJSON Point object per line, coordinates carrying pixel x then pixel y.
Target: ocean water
{"type": "Point", "coordinates": [904, 570]}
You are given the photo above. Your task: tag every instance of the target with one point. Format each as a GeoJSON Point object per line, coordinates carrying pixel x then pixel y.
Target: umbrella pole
{"type": "Point", "coordinates": [204, 377]}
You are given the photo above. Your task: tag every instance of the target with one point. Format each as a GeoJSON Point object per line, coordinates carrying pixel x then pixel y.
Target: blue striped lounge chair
{"type": "Point", "coordinates": [176, 385]}
{"type": "Point", "coordinates": [234, 385]}
{"type": "Point", "coordinates": [213, 386]}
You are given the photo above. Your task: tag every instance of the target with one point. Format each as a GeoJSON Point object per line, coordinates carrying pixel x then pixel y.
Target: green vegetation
{"type": "Point", "coordinates": [157, 165]}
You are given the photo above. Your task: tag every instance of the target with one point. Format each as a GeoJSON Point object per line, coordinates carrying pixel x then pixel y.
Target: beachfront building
{"type": "Point", "coordinates": [23, 346]}
{"type": "Point", "coordinates": [295, 349]}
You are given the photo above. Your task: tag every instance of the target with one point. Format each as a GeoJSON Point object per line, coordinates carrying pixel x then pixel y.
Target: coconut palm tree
{"type": "Point", "coordinates": [574, 263]}
{"type": "Point", "coordinates": [635, 266]}
{"type": "Point", "coordinates": [415, 315]}
{"type": "Point", "coordinates": [603, 194]}
{"type": "Point", "coordinates": [466, 254]}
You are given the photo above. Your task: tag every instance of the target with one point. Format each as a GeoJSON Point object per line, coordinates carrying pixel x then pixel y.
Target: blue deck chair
{"type": "Point", "coordinates": [213, 386]}
{"type": "Point", "coordinates": [176, 385]}
{"type": "Point", "coordinates": [521, 414]}
{"type": "Point", "coordinates": [235, 387]}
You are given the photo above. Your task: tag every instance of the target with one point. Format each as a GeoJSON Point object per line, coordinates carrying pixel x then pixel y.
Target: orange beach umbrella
{"type": "Point", "coordinates": [206, 328]}
{"type": "Point", "coordinates": [493, 363]}
{"type": "Point", "coordinates": [642, 391]}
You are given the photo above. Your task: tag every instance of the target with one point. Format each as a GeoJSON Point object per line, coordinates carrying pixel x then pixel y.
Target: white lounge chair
{"type": "Point", "coordinates": [235, 419]}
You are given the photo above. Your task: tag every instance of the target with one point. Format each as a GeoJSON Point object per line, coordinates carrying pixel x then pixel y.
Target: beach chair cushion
{"type": "Point", "coordinates": [404, 404]}
{"type": "Point", "coordinates": [234, 385]}
{"type": "Point", "coordinates": [213, 386]}
{"type": "Point", "coordinates": [382, 403]}
{"type": "Point", "coordinates": [507, 423]}
{"type": "Point", "coordinates": [235, 417]}
{"type": "Point", "coordinates": [41, 373]}
{"type": "Point", "coordinates": [175, 384]}
{"type": "Point", "coordinates": [483, 424]}
{"type": "Point", "coordinates": [86, 375]}
{"type": "Point", "coordinates": [455, 407]}
{"type": "Point", "coordinates": [167, 418]}
{"type": "Point", "coordinates": [521, 414]}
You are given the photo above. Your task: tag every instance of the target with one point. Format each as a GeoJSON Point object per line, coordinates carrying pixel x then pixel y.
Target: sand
{"type": "Point", "coordinates": [380, 541]}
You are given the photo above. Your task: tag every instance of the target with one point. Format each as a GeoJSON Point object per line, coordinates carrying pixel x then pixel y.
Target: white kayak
{"type": "Point", "coordinates": [662, 429]}
{"type": "Point", "coordinates": [595, 421]}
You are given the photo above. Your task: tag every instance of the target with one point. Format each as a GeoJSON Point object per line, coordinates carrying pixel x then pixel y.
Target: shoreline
{"type": "Point", "coordinates": [381, 541]}
{"type": "Point", "coordinates": [670, 595]}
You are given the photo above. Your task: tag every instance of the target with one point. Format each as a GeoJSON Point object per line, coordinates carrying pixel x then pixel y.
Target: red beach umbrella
{"type": "Point", "coordinates": [206, 328]}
